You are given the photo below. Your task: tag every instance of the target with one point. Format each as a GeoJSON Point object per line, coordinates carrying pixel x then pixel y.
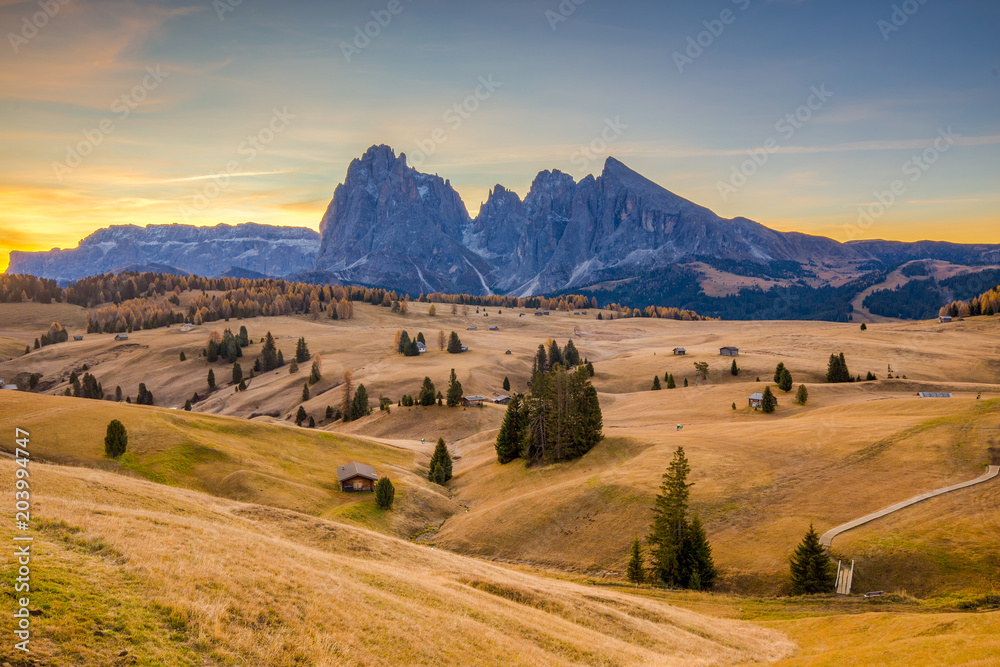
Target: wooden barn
{"type": "Point", "coordinates": [679, 351]}
{"type": "Point", "coordinates": [473, 401]}
{"type": "Point", "coordinates": [356, 477]}
{"type": "Point", "coordinates": [729, 351]}
{"type": "Point", "coordinates": [757, 400]}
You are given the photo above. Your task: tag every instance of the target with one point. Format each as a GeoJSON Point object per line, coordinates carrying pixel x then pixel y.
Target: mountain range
{"type": "Point", "coordinates": [389, 225]}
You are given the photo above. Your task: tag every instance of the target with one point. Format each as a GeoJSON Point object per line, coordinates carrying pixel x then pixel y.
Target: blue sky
{"type": "Point", "coordinates": [165, 98]}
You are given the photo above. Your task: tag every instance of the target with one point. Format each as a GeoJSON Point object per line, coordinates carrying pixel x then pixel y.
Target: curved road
{"type": "Point", "coordinates": [828, 536]}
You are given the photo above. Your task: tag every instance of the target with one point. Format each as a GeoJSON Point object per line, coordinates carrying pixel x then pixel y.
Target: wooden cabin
{"type": "Point", "coordinates": [729, 351]}
{"type": "Point", "coordinates": [502, 400]}
{"type": "Point", "coordinates": [757, 400]}
{"type": "Point", "coordinates": [680, 351]}
{"type": "Point", "coordinates": [356, 477]}
{"type": "Point", "coordinates": [473, 401]}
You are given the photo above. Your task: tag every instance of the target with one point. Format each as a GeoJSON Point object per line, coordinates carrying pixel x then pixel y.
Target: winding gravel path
{"type": "Point", "coordinates": [828, 536]}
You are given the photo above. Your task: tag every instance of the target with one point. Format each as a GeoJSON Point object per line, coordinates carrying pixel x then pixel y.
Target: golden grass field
{"type": "Point", "coordinates": [759, 481]}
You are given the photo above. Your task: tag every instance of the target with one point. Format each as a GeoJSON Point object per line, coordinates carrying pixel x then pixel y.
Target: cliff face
{"type": "Point", "coordinates": [205, 251]}
{"type": "Point", "coordinates": [392, 226]}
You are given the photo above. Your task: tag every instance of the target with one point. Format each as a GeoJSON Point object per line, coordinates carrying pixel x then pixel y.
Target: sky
{"type": "Point", "coordinates": [850, 119]}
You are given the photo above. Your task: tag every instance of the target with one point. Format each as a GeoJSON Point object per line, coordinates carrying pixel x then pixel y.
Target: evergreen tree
{"type": "Point", "coordinates": [211, 379]}
{"type": "Point", "coordinates": [836, 370]}
{"type": "Point", "coordinates": [768, 403]}
{"type": "Point", "coordinates": [870, 377]}
{"type": "Point", "coordinates": [187, 405]}
{"type": "Point", "coordinates": [734, 369]}
{"type": "Point", "coordinates": [506, 384]}
{"type": "Point", "coordinates": [541, 361]}
{"type": "Point", "coordinates": [635, 572]}
{"type": "Point", "coordinates": [301, 351]}
{"type": "Point", "coordinates": [281, 359]}
{"type": "Point", "coordinates": [864, 327]}
{"type": "Point", "coordinates": [555, 354]}
{"type": "Point", "coordinates": [454, 344]}
{"type": "Point", "coordinates": [182, 357]}
{"type": "Point", "coordinates": [244, 337]}
{"type": "Point", "coordinates": [778, 371]}
{"type": "Point", "coordinates": [212, 353]}
{"type": "Point", "coordinates": [570, 354]}
{"type": "Point", "coordinates": [242, 386]}
{"type": "Point", "coordinates": [237, 373]}
{"type": "Point", "coordinates": [316, 372]}
{"type": "Point", "coordinates": [329, 412]}
{"type": "Point", "coordinates": [300, 416]}
{"type": "Point", "coordinates": [802, 395]}
{"type": "Point", "coordinates": [785, 383]}
{"type": "Point", "coordinates": [269, 354]}
{"type": "Point", "coordinates": [427, 393]}
{"type": "Point", "coordinates": [441, 459]}
{"type": "Point", "coordinates": [116, 439]}
{"type": "Point", "coordinates": [454, 396]}
{"type": "Point", "coordinates": [698, 557]}
{"type": "Point", "coordinates": [508, 444]}
{"type": "Point", "coordinates": [656, 383]}
{"type": "Point", "coordinates": [385, 493]}
{"type": "Point", "coordinates": [420, 338]}
{"type": "Point", "coordinates": [118, 393]}
{"type": "Point", "coordinates": [436, 474]}
{"type": "Point", "coordinates": [811, 569]}
{"type": "Point", "coordinates": [312, 422]}
{"type": "Point", "coordinates": [671, 384]}
{"type": "Point", "coordinates": [590, 368]}
{"type": "Point", "coordinates": [670, 521]}
{"type": "Point", "coordinates": [293, 367]}
{"type": "Point", "coordinates": [685, 382]}
{"type": "Point", "coordinates": [359, 406]}
{"type": "Point", "coordinates": [305, 392]}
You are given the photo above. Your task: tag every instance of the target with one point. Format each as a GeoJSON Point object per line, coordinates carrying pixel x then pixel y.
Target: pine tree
{"type": "Point", "coordinates": [508, 444]}
{"type": "Point", "coordinates": [670, 521]}
{"type": "Point", "coordinates": [316, 372]}
{"type": "Point", "coordinates": [454, 395]}
{"type": "Point", "coordinates": [635, 572]}
{"type": "Point", "coordinates": [768, 403]}
{"type": "Point", "coordinates": [242, 386]}
{"type": "Point", "coordinates": [837, 370]}
{"type": "Point", "coordinates": [441, 340]}
{"type": "Point", "coordinates": [187, 405]}
{"type": "Point", "coordinates": [811, 569]}
{"type": "Point", "coordinates": [570, 354]}
{"type": "Point", "coordinates": [269, 354]}
{"type": "Point", "coordinates": [427, 393]}
{"type": "Point", "coordinates": [312, 422]}
{"type": "Point", "coordinates": [685, 382]}
{"type": "Point", "coordinates": [785, 383]}
{"type": "Point", "coordinates": [734, 369]}
{"type": "Point", "coordinates": [301, 351]}
{"type": "Point", "coordinates": [293, 367]}
{"type": "Point", "coordinates": [778, 371]}
{"type": "Point", "coordinates": [506, 384]}
{"type": "Point", "coordinates": [656, 383]}
{"type": "Point", "coordinates": [237, 373]}
{"type": "Point", "coordinates": [555, 354]}
{"type": "Point", "coordinates": [347, 396]}
{"type": "Point", "coordinates": [590, 368]}
{"type": "Point", "coordinates": [442, 459]}
{"type": "Point", "coordinates": [116, 439]}
{"type": "Point", "coordinates": [541, 361]}
{"type": "Point", "coordinates": [300, 416]}
{"type": "Point", "coordinates": [118, 393]}
{"type": "Point", "coordinates": [211, 379]}
{"type": "Point", "coordinates": [329, 412]}
{"type": "Point", "coordinates": [697, 554]}
{"type": "Point", "coordinates": [305, 392]}
{"type": "Point", "coordinates": [671, 384]}
{"type": "Point", "coordinates": [385, 493]}
{"type": "Point", "coordinates": [870, 377]}
{"type": "Point", "coordinates": [436, 474]}
{"type": "Point", "coordinates": [454, 344]}
{"type": "Point", "coordinates": [432, 311]}
{"type": "Point", "coordinates": [281, 359]}
{"type": "Point", "coordinates": [359, 406]}
{"type": "Point", "coordinates": [182, 357]}
{"type": "Point", "coordinates": [864, 327]}
{"type": "Point", "coordinates": [802, 395]}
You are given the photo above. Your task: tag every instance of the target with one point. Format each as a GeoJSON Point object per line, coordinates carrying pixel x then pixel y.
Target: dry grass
{"type": "Point", "coordinates": [189, 579]}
